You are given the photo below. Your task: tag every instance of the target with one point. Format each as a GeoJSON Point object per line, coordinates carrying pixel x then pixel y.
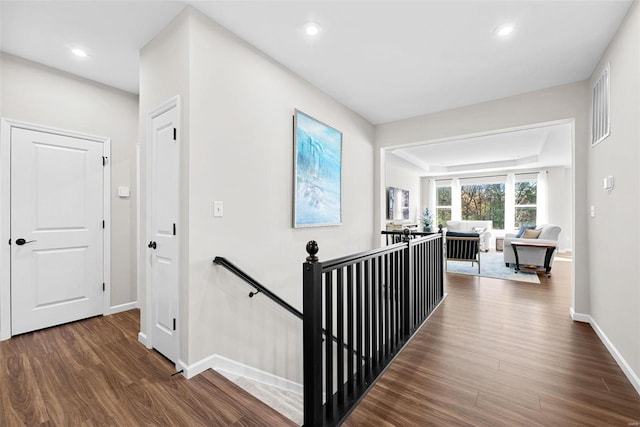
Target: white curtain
{"type": "Point", "coordinates": [509, 204]}
{"type": "Point", "coordinates": [431, 203]}
{"type": "Point", "coordinates": [542, 212]}
{"type": "Point", "coordinates": [456, 200]}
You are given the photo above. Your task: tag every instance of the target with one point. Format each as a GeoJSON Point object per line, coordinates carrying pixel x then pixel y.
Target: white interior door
{"type": "Point", "coordinates": [56, 229]}
{"type": "Point", "coordinates": [163, 241]}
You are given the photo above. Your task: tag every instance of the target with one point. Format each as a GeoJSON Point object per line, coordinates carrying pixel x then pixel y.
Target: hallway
{"type": "Point", "coordinates": [95, 373]}
{"type": "Point", "coordinates": [503, 353]}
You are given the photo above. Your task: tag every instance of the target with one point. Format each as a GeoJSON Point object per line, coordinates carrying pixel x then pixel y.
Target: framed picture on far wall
{"type": "Point", "coordinates": [397, 203]}
{"type": "Point", "coordinates": [317, 193]}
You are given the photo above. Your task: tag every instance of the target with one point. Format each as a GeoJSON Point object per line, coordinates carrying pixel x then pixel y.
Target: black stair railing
{"type": "Point", "coordinates": [260, 288]}
{"type": "Point", "coordinates": [257, 285]}
{"type": "Point", "coordinates": [373, 302]}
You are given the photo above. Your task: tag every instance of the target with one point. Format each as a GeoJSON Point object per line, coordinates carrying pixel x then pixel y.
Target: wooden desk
{"type": "Point", "coordinates": [547, 257]}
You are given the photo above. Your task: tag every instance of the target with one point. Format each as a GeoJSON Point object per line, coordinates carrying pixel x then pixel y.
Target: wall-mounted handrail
{"type": "Point", "coordinates": [259, 287]}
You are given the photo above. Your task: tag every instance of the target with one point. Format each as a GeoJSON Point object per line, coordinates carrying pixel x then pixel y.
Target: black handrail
{"type": "Point", "coordinates": [263, 289]}
{"type": "Point", "coordinates": [260, 288]}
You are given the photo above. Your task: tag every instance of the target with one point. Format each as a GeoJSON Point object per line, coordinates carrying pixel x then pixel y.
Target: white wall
{"type": "Point", "coordinates": [614, 242]}
{"type": "Point", "coordinates": [568, 102]}
{"type": "Point", "coordinates": [164, 73]}
{"type": "Point", "coordinates": [240, 151]}
{"type": "Point", "coordinates": [559, 208]}
{"type": "Point", "coordinates": [401, 174]}
{"type": "Point", "coordinates": [41, 95]}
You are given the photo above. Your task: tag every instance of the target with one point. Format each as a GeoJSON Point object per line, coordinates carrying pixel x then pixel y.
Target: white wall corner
{"type": "Point", "coordinates": [232, 370]}
{"type": "Point", "coordinates": [579, 317]}
{"type": "Point", "coordinates": [142, 338]}
{"type": "Point", "coordinates": [190, 371]}
{"type": "Point", "coordinates": [626, 368]}
{"type": "Point", "coordinates": [123, 307]}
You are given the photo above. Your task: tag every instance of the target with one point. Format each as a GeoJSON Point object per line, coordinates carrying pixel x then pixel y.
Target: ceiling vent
{"type": "Point", "coordinates": [600, 117]}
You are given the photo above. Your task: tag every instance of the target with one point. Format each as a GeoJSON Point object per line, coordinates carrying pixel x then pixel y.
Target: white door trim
{"type": "Point", "coordinates": [5, 218]}
{"type": "Point", "coordinates": [162, 108]}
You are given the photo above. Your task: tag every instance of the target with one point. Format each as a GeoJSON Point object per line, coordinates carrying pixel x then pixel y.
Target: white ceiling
{"type": "Point", "coordinates": [386, 60]}
{"type": "Point", "coordinates": [532, 148]}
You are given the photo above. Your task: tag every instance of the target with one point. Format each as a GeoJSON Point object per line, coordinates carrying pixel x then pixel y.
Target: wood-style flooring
{"type": "Point", "coordinates": [496, 353]}
{"type": "Point", "coordinates": [95, 373]}
{"type": "Point", "coordinates": [501, 353]}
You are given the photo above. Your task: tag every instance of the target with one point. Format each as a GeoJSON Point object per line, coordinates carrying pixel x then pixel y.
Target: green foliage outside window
{"type": "Point", "coordinates": [442, 216]}
{"type": "Point", "coordinates": [484, 202]}
{"type": "Point", "coordinates": [443, 205]}
{"type": "Point", "coordinates": [443, 196]}
{"type": "Point", "coordinates": [525, 216]}
{"type": "Point", "coordinates": [526, 194]}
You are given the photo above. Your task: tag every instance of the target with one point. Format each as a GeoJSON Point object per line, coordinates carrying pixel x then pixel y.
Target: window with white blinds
{"type": "Point", "coordinates": [600, 117]}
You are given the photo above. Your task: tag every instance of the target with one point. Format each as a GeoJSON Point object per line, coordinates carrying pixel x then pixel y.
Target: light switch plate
{"type": "Point", "coordinates": [123, 192]}
{"type": "Point", "coordinates": [218, 208]}
{"type": "Point", "coordinates": [593, 211]}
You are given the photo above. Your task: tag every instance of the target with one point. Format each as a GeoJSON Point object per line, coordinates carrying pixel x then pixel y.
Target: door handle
{"type": "Point", "coordinates": [152, 244]}
{"type": "Point", "coordinates": [21, 241]}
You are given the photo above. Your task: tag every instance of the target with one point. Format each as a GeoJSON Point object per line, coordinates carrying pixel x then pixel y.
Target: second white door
{"type": "Point", "coordinates": [163, 242]}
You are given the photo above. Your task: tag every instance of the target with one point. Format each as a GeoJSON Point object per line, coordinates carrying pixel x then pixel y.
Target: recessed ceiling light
{"type": "Point", "coordinates": [312, 28]}
{"type": "Point", "coordinates": [503, 30]}
{"type": "Point", "coordinates": [79, 52]}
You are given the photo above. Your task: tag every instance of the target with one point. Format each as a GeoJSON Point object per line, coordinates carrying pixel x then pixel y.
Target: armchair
{"type": "Point", "coordinates": [529, 255]}
{"type": "Point", "coordinates": [462, 247]}
{"type": "Point", "coordinates": [482, 228]}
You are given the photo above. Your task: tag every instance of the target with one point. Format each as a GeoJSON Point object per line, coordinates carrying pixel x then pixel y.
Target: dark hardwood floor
{"type": "Point", "coordinates": [500, 353]}
{"type": "Point", "coordinates": [496, 353]}
{"type": "Point", "coordinates": [95, 373]}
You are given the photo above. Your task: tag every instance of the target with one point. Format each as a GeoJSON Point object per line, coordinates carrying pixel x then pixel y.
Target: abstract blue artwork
{"type": "Point", "coordinates": [317, 173]}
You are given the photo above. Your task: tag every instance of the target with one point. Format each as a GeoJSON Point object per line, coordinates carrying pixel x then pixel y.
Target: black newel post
{"type": "Point", "coordinates": [312, 336]}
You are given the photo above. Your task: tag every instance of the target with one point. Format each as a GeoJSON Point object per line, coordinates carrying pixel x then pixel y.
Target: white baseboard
{"type": "Point", "coordinates": [124, 307]}
{"type": "Point", "coordinates": [190, 371]}
{"type": "Point", "coordinates": [628, 371]}
{"type": "Point", "coordinates": [232, 370]}
{"type": "Point", "coordinates": [579, 317]}
{"type": "Point", "coordinates": [142, 338]}
{"type": "Point", "coordinates": [631, 375]}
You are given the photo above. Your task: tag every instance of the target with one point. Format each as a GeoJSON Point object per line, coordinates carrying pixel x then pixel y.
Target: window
{"type": "Point", "coordinates": [443, 204]}
{"type": "Point", "coordinates": [484, 201]}
{"type": "Point", "coordinates": [526, 196]}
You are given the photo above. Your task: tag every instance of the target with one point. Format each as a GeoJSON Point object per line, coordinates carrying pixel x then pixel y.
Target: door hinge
{"type": "Point", "coordinates": [174, 228]}
{"type": "Point", "coordinates": [175, 134]}
{"type": "Point", "coordinates": [103, 287]}
{"type": "Point", "coordinates": [103, 224]}
{"type": "Point", "coordinates": [174, 323]}
{"type": "Point", "coordinates": [105, 159]}
{"type": "Point", "coordinates": [9, 241]}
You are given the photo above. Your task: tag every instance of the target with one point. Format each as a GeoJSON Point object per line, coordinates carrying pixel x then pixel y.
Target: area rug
{"type": "Point", "coordinates": [491, 265]}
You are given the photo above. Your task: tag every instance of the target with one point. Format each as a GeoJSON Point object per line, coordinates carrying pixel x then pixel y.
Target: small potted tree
{"type": "Point", "coordinates": [426, 220]}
